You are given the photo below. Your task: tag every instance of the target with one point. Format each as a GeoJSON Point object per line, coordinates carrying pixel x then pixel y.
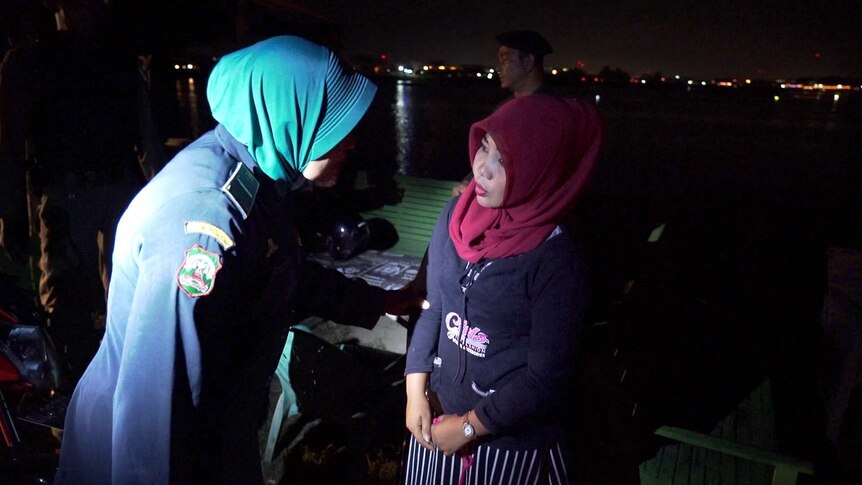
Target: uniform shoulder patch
{"type": "Point", "coordinates": [196, 276]}
{"type": "Point", "coordinates": [215, 232]}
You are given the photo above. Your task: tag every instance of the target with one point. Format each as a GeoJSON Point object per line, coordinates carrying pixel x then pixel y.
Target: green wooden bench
{"type": "Point", "coordinates": [738, 450]}
{"type": "Point", "coordinates": [414, 217]}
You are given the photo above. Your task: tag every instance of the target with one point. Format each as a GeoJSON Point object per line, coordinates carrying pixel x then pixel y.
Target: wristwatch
{"type": "Point", "coordinates": [469, 430]}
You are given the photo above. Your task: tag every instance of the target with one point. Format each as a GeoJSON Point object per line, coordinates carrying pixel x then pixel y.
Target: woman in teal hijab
{"type": "Point", "coordinates": [207, 276]}
{"type": "Point", "coordinates": [289, 101]}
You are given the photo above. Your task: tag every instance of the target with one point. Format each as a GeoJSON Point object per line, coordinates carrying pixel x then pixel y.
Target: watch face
{"type": "Point", "coordinates": [468, 430]}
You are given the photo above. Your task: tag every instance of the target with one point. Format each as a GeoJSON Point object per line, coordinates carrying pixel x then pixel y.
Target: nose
{"type": "Point", "coordinates": [481, 168]}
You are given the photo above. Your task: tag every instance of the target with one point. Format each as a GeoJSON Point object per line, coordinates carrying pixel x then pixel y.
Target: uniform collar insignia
{"type": "Point", "coordinates": [241, 188]}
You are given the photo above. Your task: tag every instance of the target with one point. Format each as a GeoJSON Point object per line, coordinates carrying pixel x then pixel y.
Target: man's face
{"type": "Point", "coordinates": [513, 66]}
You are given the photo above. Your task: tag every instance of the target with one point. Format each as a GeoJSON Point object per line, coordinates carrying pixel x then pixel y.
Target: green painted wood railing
{"type": "Point", "coordinates": [787, 468]}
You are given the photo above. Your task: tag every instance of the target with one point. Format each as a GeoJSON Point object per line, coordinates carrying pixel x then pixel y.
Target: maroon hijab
{"type": "Point", "coordinates": [549, 146]}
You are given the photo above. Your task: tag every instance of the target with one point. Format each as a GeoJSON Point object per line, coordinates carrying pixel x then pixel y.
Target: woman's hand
{"type": "Point", "coordinates": [418, 414]}
{"type": "Point", "coordinates": [448, 434]}
{"type": "Point", "coordinates": [448, 431]}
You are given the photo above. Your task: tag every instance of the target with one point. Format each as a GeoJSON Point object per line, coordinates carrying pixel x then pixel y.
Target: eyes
{"type": "Point", "coordinates": [486, 147]}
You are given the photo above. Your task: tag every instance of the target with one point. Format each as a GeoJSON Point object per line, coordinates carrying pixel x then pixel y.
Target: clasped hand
{"type": "Point", "coordinates": [443, 432]}
{"type": "Point", "coordinates": [448, 434]}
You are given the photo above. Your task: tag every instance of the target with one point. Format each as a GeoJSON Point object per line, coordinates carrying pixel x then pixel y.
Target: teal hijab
{"type": "Point", "coordinates": [288, 100]}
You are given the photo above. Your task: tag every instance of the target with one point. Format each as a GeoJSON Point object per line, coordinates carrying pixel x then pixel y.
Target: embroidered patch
{"type": "Point", "coordinates": [196, 277]}
{"type": "Point", "coordinates": [200, 227]}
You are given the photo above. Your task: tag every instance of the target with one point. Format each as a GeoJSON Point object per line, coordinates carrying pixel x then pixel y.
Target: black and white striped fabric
{"type": "Point", "coordinates": [487, 466]}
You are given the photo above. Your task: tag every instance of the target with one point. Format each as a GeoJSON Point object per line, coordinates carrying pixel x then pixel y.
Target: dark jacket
{"type": "Point", "coordinates": [519, 323]}
{"type": "Point", "coordinates": [207, 278]}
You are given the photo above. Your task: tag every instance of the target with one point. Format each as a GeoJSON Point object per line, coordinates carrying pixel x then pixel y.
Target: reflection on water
{"type": "Point", "coordinates": [402, 111]}
{"type": "Point", "coordinates": [193, 108]}
{"type": "Point", "coordinates": [187, 101]}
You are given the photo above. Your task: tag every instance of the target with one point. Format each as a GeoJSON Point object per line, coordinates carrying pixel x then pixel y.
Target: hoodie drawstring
{"type": "Point", "coordinates": [472, 274]}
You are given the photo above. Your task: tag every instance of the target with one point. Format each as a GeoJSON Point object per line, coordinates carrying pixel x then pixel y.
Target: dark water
{"type": "Point", "coordinates": [668, 150]}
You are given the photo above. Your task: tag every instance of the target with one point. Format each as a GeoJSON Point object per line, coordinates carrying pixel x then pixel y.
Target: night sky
{"type": "Point", "coordinates": [763, 40]}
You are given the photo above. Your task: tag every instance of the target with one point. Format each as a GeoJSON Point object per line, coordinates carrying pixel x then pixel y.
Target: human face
{"type": "Point", "coordinates": [512, 66]}
{"type": "Point", "coordinates": [325, 171]}
{"type": "Point", "coordinates": [489, 174]}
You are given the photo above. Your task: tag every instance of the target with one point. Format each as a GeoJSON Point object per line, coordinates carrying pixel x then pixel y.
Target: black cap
{"type": "Point", "coordinates": [526, 41]}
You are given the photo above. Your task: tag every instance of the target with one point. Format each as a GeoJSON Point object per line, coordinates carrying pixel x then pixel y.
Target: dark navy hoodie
{"type": "Point", "coordinates": [501, 335]}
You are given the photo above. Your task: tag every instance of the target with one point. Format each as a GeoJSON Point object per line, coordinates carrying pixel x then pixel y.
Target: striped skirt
{"type": "Point", "coordinates": [483, 465]}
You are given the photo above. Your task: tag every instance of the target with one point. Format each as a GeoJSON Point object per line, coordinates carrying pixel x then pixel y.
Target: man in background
{"type": "Point", "coordinates": [520, 64]}
{"type": "Point", "coordinates": [520, 61]}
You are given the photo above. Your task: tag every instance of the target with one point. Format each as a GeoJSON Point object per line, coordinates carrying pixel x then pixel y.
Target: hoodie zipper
{"type": "Point", "coordinates": [472, 274]}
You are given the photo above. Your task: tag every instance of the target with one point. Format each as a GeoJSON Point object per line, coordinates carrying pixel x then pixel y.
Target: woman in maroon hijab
{"type": "Point", "coordinates": [507, 287]}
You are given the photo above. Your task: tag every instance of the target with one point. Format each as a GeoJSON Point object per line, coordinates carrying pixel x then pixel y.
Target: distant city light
{"type": "Point", "coordinates": [176, 66]}
{"type": "Point", "coordinates": [776, 98]}
{"type": "Point", "coordinates": [190, 66]}
{"type": "Point", "coordinates": [835, 98]}
{"type": "Point", "coordinates": [651, 79]}
{"type": "Point", "coordinates": [598, 98]}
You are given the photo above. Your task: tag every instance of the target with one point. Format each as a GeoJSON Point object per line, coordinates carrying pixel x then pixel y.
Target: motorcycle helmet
{"type": "Point", "coordinates": [348, 236]}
